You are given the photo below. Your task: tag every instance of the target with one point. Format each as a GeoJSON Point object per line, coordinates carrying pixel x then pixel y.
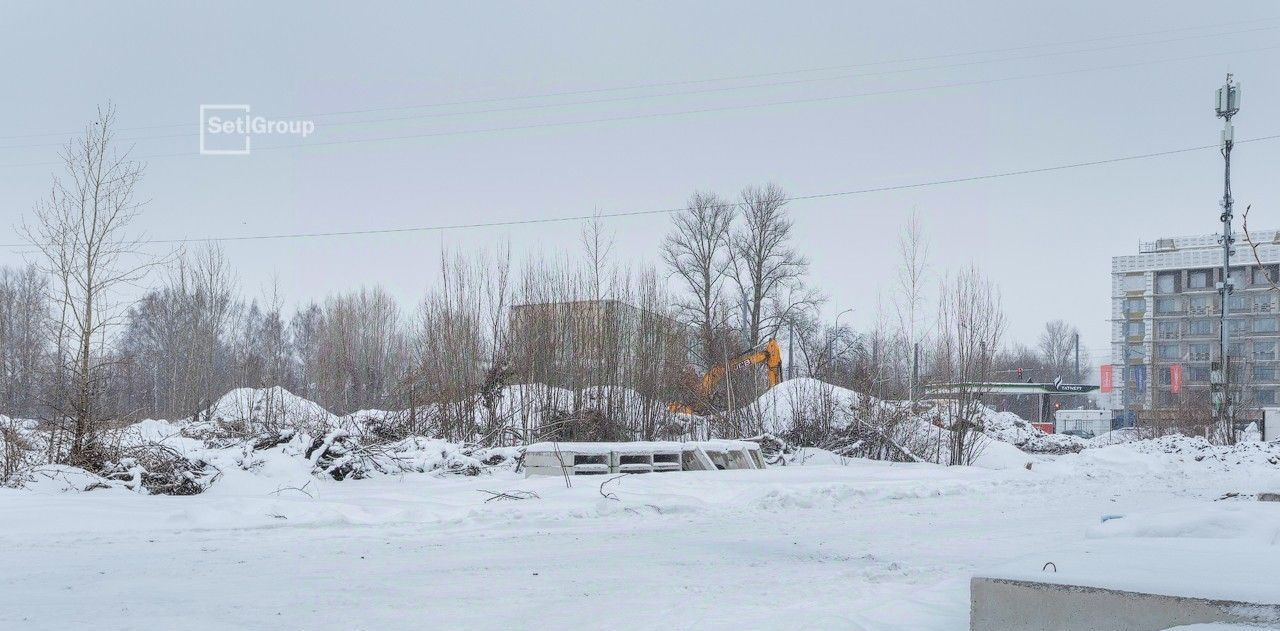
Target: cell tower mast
{"type": "Point", "coordinates": [1228, 103]}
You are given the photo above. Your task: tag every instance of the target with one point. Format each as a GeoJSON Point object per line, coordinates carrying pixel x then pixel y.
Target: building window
{"type": "Point", "coordinates": [1198, 279]}
{"type": "Point", "coordinates": [1265, 325]}
{"type": "Point", "coordinates": [1264, 396]}
{"type": "Point", "coordinates": [1168, 352]}
{"type": "Point", "coordinates": [1264, 275]}
{"type": "Point", "coordinates": [1200, 304]}
{"type": "Point", "coordinates": [1238, 277]}
{"type": "Point", "coordinates": [1238, 302]}
{"type": "Point", "coordinates": [1135, 328]}
{"type": "Point", "coordinates": [1237, 326]}
{"type": "Point", "coordinates": [1166, 283]}
{"type": "Point", "coordinates": [1137, 352]}
{"type": "Point", "coordinates": [1264, 373]}
{"type": "Point", "coordinates": [1135, 305]}
{"type": "Point", "coordinates": [1166, 329]}
{"type": "Point", "coordinates": [1264, 350]}
{"type": "Point", "coordinates": [1167, 306]}
{"type": "Point", "coordinates": [1200, 327]}
{"type": "Point", "coordinates": [1198, 351]}
{"type": "Point", "coordinates": [1262, 303]}
{"type": "Point", "coordinates": [1197, 374]}
{"type": "Point", "coordinates": [1237, 349]}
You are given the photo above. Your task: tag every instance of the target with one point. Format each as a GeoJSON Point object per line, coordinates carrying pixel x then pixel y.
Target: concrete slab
{"type": "Point", "coordinates": [1131, 583]}
{"type": "Point", "coordinates": [1012, 605]}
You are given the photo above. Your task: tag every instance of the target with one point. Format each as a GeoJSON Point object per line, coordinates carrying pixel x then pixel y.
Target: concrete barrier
{"type": "Point", "coordinates": [640, 457]}
{"type": "Point", "coordinates": [664, 461]}
{"type": "Point", "coordinates": [1111, 580]}
{"type": "Point", "coordinates": [633, 462]}
{"type": "Point", "coordinates": [998, 604]}
{"type": "Point", "coordinates": [567, 462]}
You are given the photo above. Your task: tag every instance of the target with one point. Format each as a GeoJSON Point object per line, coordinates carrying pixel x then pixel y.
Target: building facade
{"type": "Point", "coordinates": [1166, 311]}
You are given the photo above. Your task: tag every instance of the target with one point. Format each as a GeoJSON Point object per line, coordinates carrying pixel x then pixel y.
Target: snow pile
{"type": "Point", "coordinates": [1042, 443]}
{"type": "Point", "coordinates": [804, 410]}
{"type": "Point", "coordinates": [192, 457]}
{"type": "Point", "coordinates": [56, 478]}
{"type": "Point", "coordinates": [1195, 449]}
{"type": "Point", "coordinates": [247, 411]}
{"type": "Point", "coordinates": [1008, 427]}
{"type": "Point", "coordinates": [803, 401]}
{"type": "Point", "coordinates": [1248, 520]}
{"type": "Point", "coordinates": [1115, 437]}
{"type": "Point", "coordinates": [340, 455]}
{"type": "Point", "coordinates": [996, 454]}
{"type": "Point", "coordinates": [1255, 465]}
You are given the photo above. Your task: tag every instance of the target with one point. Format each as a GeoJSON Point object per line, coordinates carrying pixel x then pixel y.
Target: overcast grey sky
{"type": "Point", "coordinates": [1138, 79]}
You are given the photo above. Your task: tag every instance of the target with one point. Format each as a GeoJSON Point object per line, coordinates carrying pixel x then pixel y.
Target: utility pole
{"type": "Point", "coordinates": [1077, 339]}
{"type": "Point", "coordinates": [1228, 103]}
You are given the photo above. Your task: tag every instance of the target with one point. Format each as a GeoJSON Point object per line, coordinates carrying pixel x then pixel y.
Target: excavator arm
{"type": "Point", "coordinates": [769, 354]}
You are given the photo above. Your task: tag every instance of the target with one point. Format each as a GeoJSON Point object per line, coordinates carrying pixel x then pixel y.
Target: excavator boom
{"type": "Point", "coordinates": [769, 354]}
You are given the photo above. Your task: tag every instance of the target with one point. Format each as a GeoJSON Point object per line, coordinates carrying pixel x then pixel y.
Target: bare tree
{"type": "Point", "coordinates": [459, 368]}
{"type": "Point", "coordinates": [23, 315]}
{"type": "Point", "coordinates": [175, 349]}
{"type": "Point", "coordinates": [971, 326]}
{"type": "Point", "coordinates": [697, 251]}
{"type": "Point", "coordinates": [82, 234]}
{"type": "Point", "coordinates": [597, 246]}
{"type": "Point", "coordinates": [913, 265]}
{"type": "Point", "coordinates": [830, 352]}
{"type": "Point", "coordinates": [1059, 349]}
{"type": "Point", "coordinates": [768, 272]}
{"type": "Point", "coordinates": [1057, 345]}
{"type": "Point", "coordinates": [364, 347]}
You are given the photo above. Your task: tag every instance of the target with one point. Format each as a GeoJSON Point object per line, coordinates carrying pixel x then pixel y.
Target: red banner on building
{"type": "Point", "coordinates": [1105, 377]}
{"type": "Point", "coordinates": [1175, 378]}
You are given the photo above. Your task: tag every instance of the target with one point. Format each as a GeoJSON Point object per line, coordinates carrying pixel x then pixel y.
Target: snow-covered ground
{"type": "Point", "coordinates": [838, 543]}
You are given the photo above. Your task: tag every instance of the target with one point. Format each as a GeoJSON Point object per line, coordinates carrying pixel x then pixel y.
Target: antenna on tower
{"type": "Point", "coordinates": [1226, 105]}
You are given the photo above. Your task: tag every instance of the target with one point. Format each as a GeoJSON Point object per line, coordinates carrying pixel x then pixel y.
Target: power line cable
{"type": "Point", "coordinates": [707, 110]}
{"type": "Point", "coordinates": [712, 90]}
{"type": "Point", "coordinates": [662, 211]}
{"type": "Point", "coordinates": [719, 79]}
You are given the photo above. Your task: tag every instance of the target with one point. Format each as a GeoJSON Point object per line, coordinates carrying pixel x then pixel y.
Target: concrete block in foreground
{"type": "Point", "coordinates": [1115, 582]}
{"type": "Point", "coordinates": [1001, 604]}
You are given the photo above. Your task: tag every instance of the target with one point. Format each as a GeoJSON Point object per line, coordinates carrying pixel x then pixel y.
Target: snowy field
{"type": "Point", "coordinates": [841, 545]}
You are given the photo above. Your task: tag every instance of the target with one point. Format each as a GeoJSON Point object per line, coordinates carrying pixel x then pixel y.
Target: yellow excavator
{"type": "Point", "coordinates": [768, 353]}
